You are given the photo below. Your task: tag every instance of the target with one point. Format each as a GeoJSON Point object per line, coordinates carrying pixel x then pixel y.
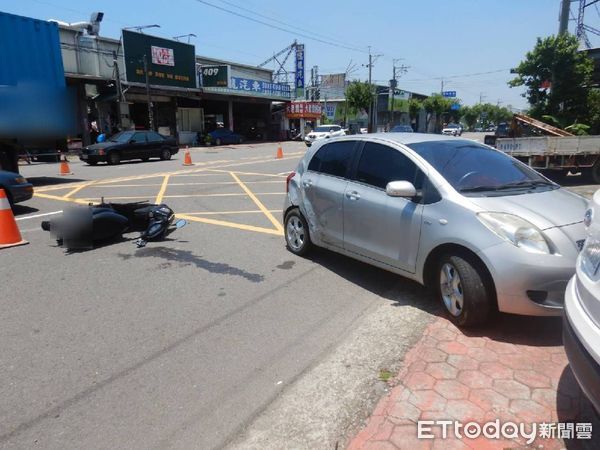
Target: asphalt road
{"type": "Point", "coordinates": [215, 337]}
{"type": "Point", "coordinates": [184, 343]}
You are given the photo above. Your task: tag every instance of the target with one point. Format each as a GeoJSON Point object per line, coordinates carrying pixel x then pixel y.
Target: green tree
{"type": "Point", "coordinates": [557, 77]}
{"type": "Point", "coordinates": [470, 116]}
{"type": "Point", "coordinates": [359, 95]}
{"type": "Point", "coordinates": [594, 111]}
{"type": "Point", "coordinates": [414, 108]}
{"type": "Point", "coordinates": [438, 105]}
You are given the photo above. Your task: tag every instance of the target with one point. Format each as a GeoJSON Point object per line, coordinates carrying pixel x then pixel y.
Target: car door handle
{"type": "Point", "coordinates": [307, 183]}
{"type": "Point", "coordinates": [353, 195]}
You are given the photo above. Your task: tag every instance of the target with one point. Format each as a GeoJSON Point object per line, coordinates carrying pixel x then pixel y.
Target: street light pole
{"type": "Point", "coordinates": [149, 99]}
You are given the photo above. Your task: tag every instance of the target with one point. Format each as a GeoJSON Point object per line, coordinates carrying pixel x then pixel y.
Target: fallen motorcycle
{"type": "Point", "coordinates": [80, 228]}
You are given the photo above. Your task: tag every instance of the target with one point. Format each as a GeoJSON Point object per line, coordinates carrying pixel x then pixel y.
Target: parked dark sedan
{"type": "Point", "coordinates": [17, 188]}
{"type": "Point", "coordinates": [128, 145]}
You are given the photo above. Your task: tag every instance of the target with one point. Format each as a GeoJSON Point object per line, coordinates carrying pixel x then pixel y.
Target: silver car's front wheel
{"type": "Point", "coordinates": [451, 289]}
{"type": "Point", "coordinates": [465, 289]}
{"type": "Point", "coordinates": [297, 236]}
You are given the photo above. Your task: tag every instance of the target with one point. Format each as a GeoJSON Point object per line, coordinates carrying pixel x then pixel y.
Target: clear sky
{"type": "Point", "coordinates": [436, 38]}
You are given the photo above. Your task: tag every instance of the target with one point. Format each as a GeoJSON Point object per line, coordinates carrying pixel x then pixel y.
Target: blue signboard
{"type": "Point", "coordinates": [260, 87]}
{"type": "Point", "coordinates": [449, 94]}
{"type": "Point", "coordinates": [455, 106]}
{"type": "Point", "coordinates": [300, 70]}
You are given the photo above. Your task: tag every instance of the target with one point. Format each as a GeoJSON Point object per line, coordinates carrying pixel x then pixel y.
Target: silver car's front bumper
{"type": "Point", "coordinates": [527, 283]}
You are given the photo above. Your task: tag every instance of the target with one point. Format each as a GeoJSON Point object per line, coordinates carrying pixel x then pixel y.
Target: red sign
{"type": "Point", "coordinates": [304, 110]}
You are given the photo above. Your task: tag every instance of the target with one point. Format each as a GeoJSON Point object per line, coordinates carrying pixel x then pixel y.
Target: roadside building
{"type": "Point", "coordinates": [390, 108]}
{"type": "Point", "coordinates": [188, 94]}
{"type": "Point", "coordinates": [242, 98]}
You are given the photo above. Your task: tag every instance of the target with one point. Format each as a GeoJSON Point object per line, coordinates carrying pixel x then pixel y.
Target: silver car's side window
{"type": "Point", "coordinates": [333, 159]}
{"type": "Point", "coordinates": [380, 164]}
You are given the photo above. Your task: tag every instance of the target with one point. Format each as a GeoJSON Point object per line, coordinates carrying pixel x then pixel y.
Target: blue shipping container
{"type": "Point", "coordinates": [34, 99]}
{"type": "Point", "coordinates": [31, 47]}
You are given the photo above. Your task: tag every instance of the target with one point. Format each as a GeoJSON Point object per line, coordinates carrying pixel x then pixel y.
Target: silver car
{"type": "Point", "coordinates": [581, 323]}
{"type": "Point", "coordinates": [483, 229]}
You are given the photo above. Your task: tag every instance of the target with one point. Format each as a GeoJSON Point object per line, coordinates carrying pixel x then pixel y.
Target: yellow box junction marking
{"type": "Point", "coordinates": [210, 168]}
{"type": "Point", "coordinates": [262, 207]}
{"type": "Point", "coordinates": [163, 188]}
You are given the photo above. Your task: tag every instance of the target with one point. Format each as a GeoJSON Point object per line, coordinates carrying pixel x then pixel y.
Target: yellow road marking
{"type": "Point", "coordinates": [217, 213]}
{"type": "Point", "coordinates": [127, 185]}
{"type": "Point", "coordinates": [252, 162]}
{"type": "Point", "coordinates": [258, 203]}
{"type": "Point", "coordinates": [215, 183]}
{"type": "Point", "coordinates": [163, 188]}
{"type": "Point", "coordinates": [77, 189]}
{"type": "Point", "coordinates": [171, 196]}
{"type": "Point", "coordinates": [223, 223]}
{"type": "Point", "coordinates": [249, 173]}
{"type": "Point", "coordinates": [80, 201]}
{"type": "Point", "coordinates": [89, 199]}
{"type": "Point", "coordinates": [56, 188]}
{"type": "Point", "coordinates": [217, 195]}
{"type": "Point", "coordinates": [183, 172]}
{"type": "Point", "coordinates": [199, 174]}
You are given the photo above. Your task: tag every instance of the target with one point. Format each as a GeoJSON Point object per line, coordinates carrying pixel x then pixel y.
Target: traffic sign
{"type": "Point", "coordinates": [455, 106]}
{"type": "Point", "coordinates": [449, 94]}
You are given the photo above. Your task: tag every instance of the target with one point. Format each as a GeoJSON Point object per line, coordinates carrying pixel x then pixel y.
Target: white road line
{"type": "Point", "coordinates": [39, 215]}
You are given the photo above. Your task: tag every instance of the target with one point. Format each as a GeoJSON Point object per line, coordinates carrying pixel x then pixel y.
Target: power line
{"type": "Point", "coordinates": [84, 13]}
{"type": "Point", "coordinates": [281, 28]}
{"type": "Point", "coordinates": [465, 75]}
{"type": "Point", "coordinates": [281, 22]}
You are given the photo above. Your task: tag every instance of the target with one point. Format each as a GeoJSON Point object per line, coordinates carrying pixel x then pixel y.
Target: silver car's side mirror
{"type": "Point", "coordinates": [400, 189]}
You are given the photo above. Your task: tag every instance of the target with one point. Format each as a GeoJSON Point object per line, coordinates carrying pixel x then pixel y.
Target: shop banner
{"type": "Point", "coordinates": [304, 110]}
{"type": "Point", "coordinates": [213, 76]}
{"type": "Point", "coordinates": [300, 71]}
{"type": "Point", "coordinates": [170, 63]}
{"type": "Point", "coordinates": [260, 87]}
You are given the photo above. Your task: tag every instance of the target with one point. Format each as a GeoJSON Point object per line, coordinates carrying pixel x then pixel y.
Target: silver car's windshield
{"type": "Point", "coordinates": [474, 169]}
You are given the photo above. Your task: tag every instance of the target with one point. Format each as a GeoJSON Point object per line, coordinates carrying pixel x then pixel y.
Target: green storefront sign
{"type": "Point", "coordinates": [170, 63]}
{"type": "Point", "coordinates": [214, 76]}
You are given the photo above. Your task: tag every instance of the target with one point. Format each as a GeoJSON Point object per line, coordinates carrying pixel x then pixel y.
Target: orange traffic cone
{"type": "Point", "coordinates": [64, 167]}
{"type": "Point", "coordinates": [187, 159]}
{"type": "Point", "coordinates": [10, 236]}
{"type": "Point", "coordinates": [279, 152]}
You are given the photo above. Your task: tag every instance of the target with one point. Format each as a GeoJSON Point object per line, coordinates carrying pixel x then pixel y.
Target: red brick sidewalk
{"type": "Point", "coordinates": [515, 371]}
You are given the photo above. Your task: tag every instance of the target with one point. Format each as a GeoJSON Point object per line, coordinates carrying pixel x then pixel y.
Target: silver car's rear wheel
{"type": "Point", "coordinates": [297, 236]}
{"type": "Point", "coordinates": [451, 289]}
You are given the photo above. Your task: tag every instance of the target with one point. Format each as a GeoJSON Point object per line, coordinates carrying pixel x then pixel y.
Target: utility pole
{"type": "Point", "coordinates": [119, 91]}
{"type": "Point", "coordinates": [373, 94]}
{"type": "Point", "coordinates": [481, 97]}
{"type": "Point", "coordinates": [563, 22]}
{"type": "Point", "coordinates": [393, 84]}
{"type": "Point", "coordinates": [442, 87]}
{"type": "Point", "coordinates": [149, 99]}
{"type": "Point", "coordinates": [370, 124]}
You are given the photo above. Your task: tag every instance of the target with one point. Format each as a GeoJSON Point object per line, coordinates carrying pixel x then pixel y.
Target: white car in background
{"type": "Point", "coordinates": [323, 132]}
{"type": "Point", "coordinates": [452, 129]}
{"type": "Point", "coordinates": [581, 322]}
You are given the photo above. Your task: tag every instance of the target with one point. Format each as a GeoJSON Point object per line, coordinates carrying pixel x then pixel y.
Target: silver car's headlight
{"type": "Point", "coordinates": [516, 230]}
